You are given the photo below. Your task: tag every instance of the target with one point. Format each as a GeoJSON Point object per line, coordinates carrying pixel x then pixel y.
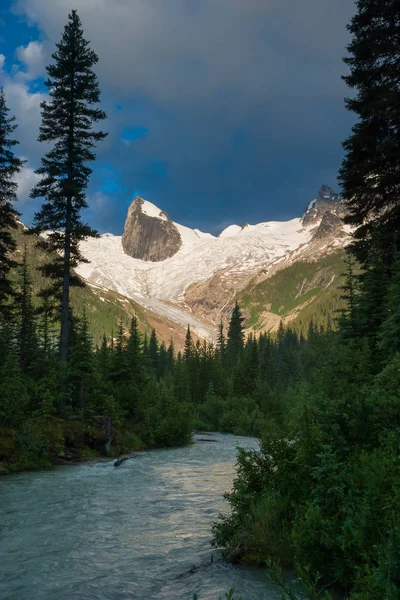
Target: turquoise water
{"type": "Point", "coordinates": [95, 532]}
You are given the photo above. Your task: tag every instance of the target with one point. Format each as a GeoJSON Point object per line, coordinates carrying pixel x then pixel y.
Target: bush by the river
{"type": "Point", "coordinates": [324, 491]}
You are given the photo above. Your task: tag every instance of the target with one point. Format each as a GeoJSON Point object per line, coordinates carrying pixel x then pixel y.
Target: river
{"type": "Point", "coordinates": [95, 532]}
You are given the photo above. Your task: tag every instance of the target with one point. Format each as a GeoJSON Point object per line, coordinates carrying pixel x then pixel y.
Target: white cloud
{"type": "Point", "coordinates": [32, 56]}
{"type": "Point", "coordinates": [26, 179]}
{"type": "Point", "coordinates": [24, 103]}
{"type": "Point", "coordinates": [25, 106]}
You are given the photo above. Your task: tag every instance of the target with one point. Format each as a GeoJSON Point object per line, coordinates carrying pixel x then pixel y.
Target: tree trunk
{"type": "Point", "coordinates": [65, 295]}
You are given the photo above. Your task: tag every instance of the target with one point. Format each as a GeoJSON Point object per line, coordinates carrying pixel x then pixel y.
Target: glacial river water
{"type": "Point", "coordinates": [95, 532]}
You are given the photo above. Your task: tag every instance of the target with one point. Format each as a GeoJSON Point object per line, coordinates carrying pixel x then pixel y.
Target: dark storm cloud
{"type": "Point", "coordinates": [234, 108]}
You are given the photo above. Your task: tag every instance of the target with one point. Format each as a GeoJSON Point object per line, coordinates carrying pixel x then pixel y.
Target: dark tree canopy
{"type": "Point", "coordinates": [370, 173]}
{"type": "Point", "coordinates": [235, 341]}
{"type": "Point", "coordinates": [67, 123]}
{"type": "Point", "coordinates": [10, 166]}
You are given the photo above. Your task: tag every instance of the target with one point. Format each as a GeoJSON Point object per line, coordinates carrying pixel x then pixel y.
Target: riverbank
{"type": "Point", "coordinates": [72, 441]}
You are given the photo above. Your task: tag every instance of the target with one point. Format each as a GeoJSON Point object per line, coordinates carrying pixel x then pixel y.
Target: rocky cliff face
{"type": "Point", "coordinates": [326, 212]}
{"type": "Point", "coordinates": [326, 201]}
{"type": "Point", "coordinates": [149, 234]}
{"type": "Point", "coordinates": [331, 226]}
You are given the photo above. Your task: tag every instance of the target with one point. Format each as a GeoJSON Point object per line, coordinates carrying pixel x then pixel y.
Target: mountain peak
{"type": "Point", "coordinates": [327, 200]}
{"type": "Point", "coordinates": [149, 209]}
{"type": "Point", "coordinates": [149, 234]}
{"type": "Point", "coordinates": [327, 194]}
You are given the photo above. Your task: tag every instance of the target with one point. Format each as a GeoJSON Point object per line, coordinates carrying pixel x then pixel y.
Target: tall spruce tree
{"type": "Point", "coordinates": [67, 122]}
{"type": "Point", "coordinates": [348, 324]}
{"type": "Point", "coordinates": [26, 323]}
{"type": "Point", "coordinates": [119, 370]}
{"type": "Point", "coordinates": [221, 343]}
{"type": "Point", "coordinates": [370, 170]}
{"type": "Point", "coordinates": [153, 351]}
{"type": "Point", "coordinates": [170, 355]}
{"type": "Point", "coordinates": [10, 166]}
{"type": "Point", "coordinates": [235, 341]}
{"type": "Point", "coordinates": [188, 350]}
{"type": "Point", "coordinates": [134, 356]}
{"type": "Point", "coordinates": [389, 335]}
{"type": "Point", "coordinates": [80, 365]}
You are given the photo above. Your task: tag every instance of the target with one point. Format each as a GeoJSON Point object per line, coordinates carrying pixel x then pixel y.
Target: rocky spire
{"type": "Point", "coordinates": [149, 233]}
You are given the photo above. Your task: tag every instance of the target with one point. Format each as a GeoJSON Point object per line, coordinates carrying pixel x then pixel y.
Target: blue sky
{"type": "Point", "coordinates": [219, 111]}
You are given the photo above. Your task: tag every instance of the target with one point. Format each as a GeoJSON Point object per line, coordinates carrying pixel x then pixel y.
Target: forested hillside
{"type": "Point", "coordinates": [300, 294]}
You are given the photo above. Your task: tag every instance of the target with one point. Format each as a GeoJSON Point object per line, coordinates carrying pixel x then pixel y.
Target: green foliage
{"type": "Point", "coordinates": [67, 124]}
{"type": "Point", "coordinates": [67, 121]}
{"type": "Point", "coordinates": [323, 492]}
{"type": "Point", "coordinates": [373, 149]}
{"type": "Point", "coordinates": [237, 415]}
{"type": "Point", "coordinates": [234, 344]}
{"type": "Point", "coordinates": [10, 166]}
{"type": "Point", "coordinates": [307, 291]}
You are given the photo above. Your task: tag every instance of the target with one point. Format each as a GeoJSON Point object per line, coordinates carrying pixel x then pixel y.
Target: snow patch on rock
{"type": "Point", "coordinates": [151, 210]}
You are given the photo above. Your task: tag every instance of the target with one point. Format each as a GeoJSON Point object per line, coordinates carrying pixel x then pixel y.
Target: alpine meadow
{"type": "Point", "coordinates": [184, 413]}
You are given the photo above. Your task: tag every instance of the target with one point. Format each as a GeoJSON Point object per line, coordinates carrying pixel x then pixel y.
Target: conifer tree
{"type": "Point", "coordinates": [134, 358]}
{"type": "Point", "coordinates": [26, 322]}
{"type": "Point", "coordinates": [268, 366]}
{"type": "Point", "coordinates": [45, 325]}
{"type": "Point", "coordinates": [389, 335]}
{"type": "Point", "coordinates": [374, 284]}
{"type": "Point", "coordinates": [153, 351]}
{"type": "Point", "coordinates": [170, 356]}
{"type": "Point", "coordinates": [221, 342]}
{"type": "Point", "coordinates": [162, 360]}
{"type": "Point", "coordinates": [103, 356]}
{"type": "Point", "coordinates": [370, 170]}
{"type": "Point", "coordinates": [145, 352]}
{"type": "Point", "coordinates": [247, 370]}
{"type": "Point", "coordinates": [80, 364]}
{"type": "Point", "coordinates": [67, 123]}
{"type": "Point", "coordinates": [235, 342]}
{"type": "Point", "coordinates": [348, 319]}
{"type": "Point", "coordinates": [188, 350]}
{"type": "Point", "coordinates": [14, 397]}
{"type": "Point", "coordinates": [119, 366]}
{"type": "Point", "coordinates": [281, 334]}
{"type": "Point", "coordinates": [10, 166]}
{"type": "Point", "coordinates": [7, 338]}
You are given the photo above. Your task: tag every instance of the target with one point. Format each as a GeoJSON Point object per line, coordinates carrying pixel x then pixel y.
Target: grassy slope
{"type": "Point", "coordinates": [300, 293]}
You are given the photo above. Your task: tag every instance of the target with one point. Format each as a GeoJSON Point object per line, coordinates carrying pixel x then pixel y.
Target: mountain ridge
{"type": "Point", "coordinates": [197, 278]}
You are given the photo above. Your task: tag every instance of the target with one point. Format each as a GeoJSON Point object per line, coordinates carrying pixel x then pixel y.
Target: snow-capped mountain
{"type": "Point", "coordinates": [177, 272]}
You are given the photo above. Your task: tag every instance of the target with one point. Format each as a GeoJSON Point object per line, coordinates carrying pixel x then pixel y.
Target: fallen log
{"type": "Point", "coordinates": [122, 459]}
{"type": "Point", "coordinates": [235, 555]}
